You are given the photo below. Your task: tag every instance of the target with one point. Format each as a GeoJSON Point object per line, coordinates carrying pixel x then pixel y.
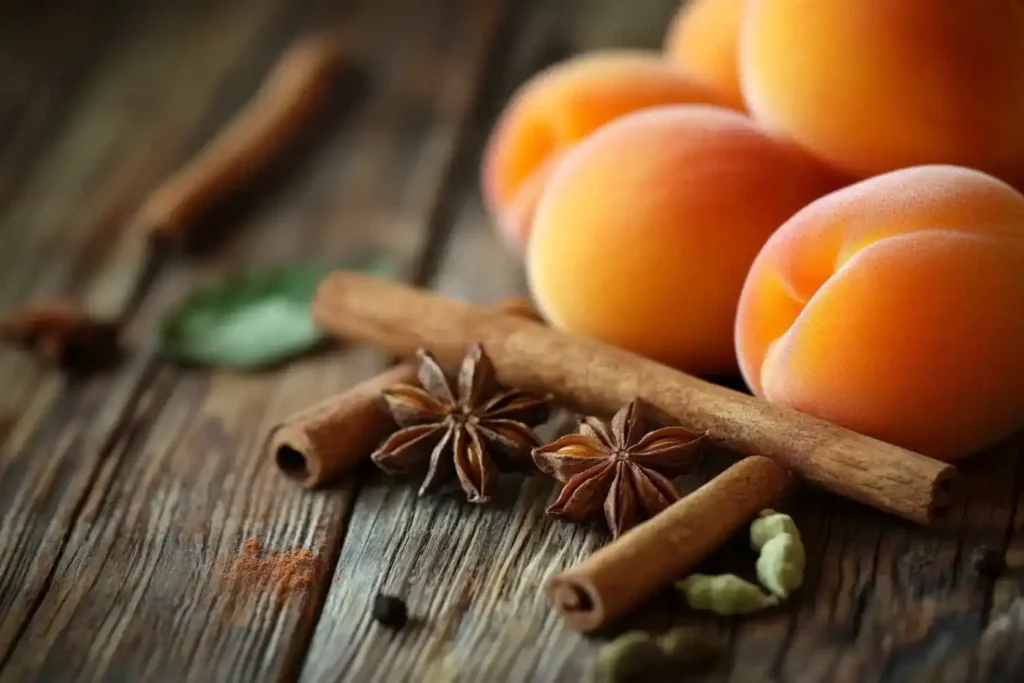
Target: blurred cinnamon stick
{"type": "Point", "coordinates": [598, 379]}
{"type": "Point", "coordinates": [268, 123]}
{"type": "Point", "coordinates": [326, 440]}
{"type": "Point", "coordinates": [293, 89]}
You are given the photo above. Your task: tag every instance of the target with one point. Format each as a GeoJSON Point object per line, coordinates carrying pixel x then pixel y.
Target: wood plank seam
{"type": "Point", "coordinates": [299, 649]}
{"type": "Point", "coordinates": [464, 159]}
{"type": "Point", "coordinates": [1015, 509]}
{"type": "Point", "coordinates": [824, 532]}
{"type": "Point", "coordinates": [439, 220]}
{"type": "Point", "coordinates": [792, 622]}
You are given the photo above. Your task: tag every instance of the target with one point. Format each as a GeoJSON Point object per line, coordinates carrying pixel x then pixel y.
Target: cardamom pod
{"type": "Point", "coordinates": [725, 594]}
{"type": "Point", "coordinates": [634, 656]}
{"type": "Point", "coordinates": [690, 646]}
{"type": "Point", "coordinates": [769, 526]}
{"type": "Point", "coordinates": [780, 566]}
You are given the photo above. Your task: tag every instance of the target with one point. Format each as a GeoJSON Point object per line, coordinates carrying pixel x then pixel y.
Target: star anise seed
{"type": "Point", "coordinates": [625, 467]}
{"type": "Point", "coordinates": [467, 434]}
{"type": "Point", "coordinates": [62, 333]}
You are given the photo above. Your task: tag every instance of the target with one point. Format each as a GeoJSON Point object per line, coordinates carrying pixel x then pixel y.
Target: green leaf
{"type": "Point", "coordinates": [255, 320]}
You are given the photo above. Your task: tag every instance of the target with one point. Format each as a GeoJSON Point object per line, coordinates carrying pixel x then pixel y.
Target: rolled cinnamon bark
{"type": "Point", "coordinates": [324, 441]}
{"type": "Point", "coordinates": [598, 379]}
{"type": "Point", "coordinates": [650, 556]}
{"type": "Point", "coordinates": [258, 133]}
{"type": "Point", "coordinates": [330, 438]}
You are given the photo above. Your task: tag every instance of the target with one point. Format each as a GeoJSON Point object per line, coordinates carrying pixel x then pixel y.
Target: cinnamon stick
{"type": "Point", "coordinates": [326, 440]}
{"type": "Point", "coordinates": [258, 133]}
{"type": "Point", "coordinates": [598, 379]}
{"type": "Point", "coordinates": [650, 556]}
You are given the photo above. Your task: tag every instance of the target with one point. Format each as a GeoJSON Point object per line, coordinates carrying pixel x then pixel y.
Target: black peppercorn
{"type": "Point", "coordinates": [987, 561]}
{"type": "Point", "coordinates": [390, 611]}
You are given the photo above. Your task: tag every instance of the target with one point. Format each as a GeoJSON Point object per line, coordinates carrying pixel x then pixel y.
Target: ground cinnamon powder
{"type": "Point", "coordinates": [283, 573]}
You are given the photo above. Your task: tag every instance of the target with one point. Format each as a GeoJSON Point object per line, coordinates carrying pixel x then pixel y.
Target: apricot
{"type": "Point", "coordinates": [704, 38]}
{"type": "Point", "coordinates": [560, 106]}
{"type": "Point", "coordinates": [877, 85]}
{"type": "Point", "coordinates": [647, 228]}
{"type": "Point", "coordinates": [895, 307]}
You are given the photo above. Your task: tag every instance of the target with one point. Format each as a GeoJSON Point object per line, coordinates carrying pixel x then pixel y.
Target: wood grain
{"type": "Point", "coordinates": [887, 602]}
{"type": "Point", "coordinates": [476, 619]}
{"type": "Point", "coordinates": [130, 588]}
{"type": "Point", "coordinates": [72, 197]}
{"type": "Point", "coordinates": [123, 496]}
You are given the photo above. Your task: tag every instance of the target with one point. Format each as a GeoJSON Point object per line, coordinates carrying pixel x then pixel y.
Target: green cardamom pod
{"type": "Point", "coordinates": [769, 526]}
{"type": "Point", "coordinates": [634, 656]}
{"type": "Point", "coordinates": [690, 646]}
{"type": "Point", "coordinates": [780, 566]}
{"type": "Point", "coordinates": [725, 594]}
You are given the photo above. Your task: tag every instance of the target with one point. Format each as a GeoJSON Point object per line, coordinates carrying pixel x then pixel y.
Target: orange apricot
{"type": "Point", "coordinates": [559, 107]}
{"type": "Point", "coordinates": [895, 307]}
{"type": "Point", "coordinates": [647, 228]}
{"type": "Point", "coordinates": [877, 85]}
{"type": "Point", "coordinates": [704, 38]}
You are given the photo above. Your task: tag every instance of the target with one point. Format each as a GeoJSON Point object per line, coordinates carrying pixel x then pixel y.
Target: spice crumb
{"type": "Point", "coordinates": [987, 561]}
{"type": "Point", "coordinates": [390, 611]}
{"type": "Point", "coordinates": [255, 570]}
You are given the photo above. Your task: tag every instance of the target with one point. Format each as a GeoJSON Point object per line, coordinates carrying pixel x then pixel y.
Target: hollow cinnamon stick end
{"type": "Point", "coordinates": [295, 456]}
{"type": "Point", "coordinates": [578, 603]}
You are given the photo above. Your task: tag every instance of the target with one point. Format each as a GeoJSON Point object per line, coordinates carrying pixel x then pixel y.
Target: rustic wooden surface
{"type": "Point", "coordinates": [123, 495]}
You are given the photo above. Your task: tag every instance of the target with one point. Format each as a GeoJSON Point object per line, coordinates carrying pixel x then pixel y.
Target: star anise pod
{"type": "Point", "coordinates": [475, 428]}
{"type": "Point", "coordinates": [625, 467]}
{"type": "Point", "coordinates": [63, 334]}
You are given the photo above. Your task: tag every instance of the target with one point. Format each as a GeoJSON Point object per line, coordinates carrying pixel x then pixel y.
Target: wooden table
{"type": "Point", "coordinates": [123, 495]}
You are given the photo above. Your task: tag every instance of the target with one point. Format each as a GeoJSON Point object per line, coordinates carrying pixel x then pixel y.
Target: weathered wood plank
{"type": "Point", "coordinates": [471, 575]}
{"type": "Point", "coordinates": [138, 591]}
{"type": "Point", "coordinates": [47, 49]}
{"type": "Point", "coordinates": [79, 193]}
{"type": "Point", "coordinates": [75, 198]}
